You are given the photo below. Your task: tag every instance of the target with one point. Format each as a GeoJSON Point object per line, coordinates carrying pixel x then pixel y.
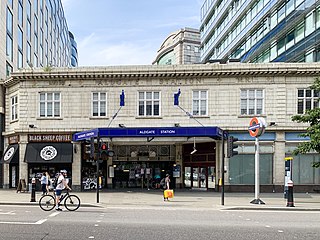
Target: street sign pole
{"type": "Point", "coordinates": [98, 167]}
{"type": "Point", "coordinates": [256, 129]}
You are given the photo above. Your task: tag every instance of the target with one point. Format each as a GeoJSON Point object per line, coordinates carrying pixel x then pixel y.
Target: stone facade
{"type": "Point", "coordinates": [222, 82]}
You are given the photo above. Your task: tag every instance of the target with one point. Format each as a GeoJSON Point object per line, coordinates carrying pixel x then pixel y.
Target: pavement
{"type": "Point", "coordinates": [183, 199]}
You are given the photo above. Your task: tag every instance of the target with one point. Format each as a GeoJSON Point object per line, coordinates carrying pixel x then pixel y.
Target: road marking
{"type": "Point", "coordinates": [8, 213]}
{"type": "Point", "coordinates": [25, 223]}
{"type": "Point", "coordinates": [41, 221]}
{"type": "Point", "coordinates": [54, 214]}
{"type": "Point", "coordinates": [91, 237]}
{"type": "Point", "coordinates": [267, 226]}
{"type": "Point", "coordinates": [96, 225]}
{"type": "Point", "coordinates": [280, 231]}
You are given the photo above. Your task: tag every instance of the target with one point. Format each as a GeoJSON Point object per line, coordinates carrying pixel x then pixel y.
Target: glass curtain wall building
{"type": "Point", "coordinates": [260, 30]}
{"type": "Point", "coordinates": [34, 33]}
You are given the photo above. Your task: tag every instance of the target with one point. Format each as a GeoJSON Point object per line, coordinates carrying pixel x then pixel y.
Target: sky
{"type": "Point", "coordinates": [126, 32]}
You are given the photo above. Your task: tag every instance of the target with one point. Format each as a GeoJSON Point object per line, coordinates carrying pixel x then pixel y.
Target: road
{"type": "Point", "coordinates": [117, 223]}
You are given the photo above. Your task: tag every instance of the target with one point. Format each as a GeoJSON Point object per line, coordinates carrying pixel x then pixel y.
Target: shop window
{"type": "Point", "coordinates": [303, 172]}
{"type": "Point", "coordinates": [242, 169]}
{"type": "Point", "coordinates": [200, 103]}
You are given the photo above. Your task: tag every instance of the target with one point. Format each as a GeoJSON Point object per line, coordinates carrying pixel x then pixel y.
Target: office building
{"type": "Point", "coordinates": [180, 47]}
{"type": "Point", "coordinates": [34, 34]}
{"type": "Point", "coordinates": [260, 30]}
{"type": "Point", "coordinates": [52, 115]}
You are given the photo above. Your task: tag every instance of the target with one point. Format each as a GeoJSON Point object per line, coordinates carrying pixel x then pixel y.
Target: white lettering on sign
{"type": "Point", "coordinates": [167, 131]}
{"type": "Point", "coordinates": [146, 132]}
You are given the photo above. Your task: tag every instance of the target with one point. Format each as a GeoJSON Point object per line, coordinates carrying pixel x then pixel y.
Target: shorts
{"type": "Point", "coordinates": [58, 192]}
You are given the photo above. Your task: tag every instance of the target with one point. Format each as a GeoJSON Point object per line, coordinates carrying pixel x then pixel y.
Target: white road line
{"type": "Point", "coordinates": [7, 213]}
{"type": "Point", "coordinates": [54, 214]}
{"type": "Point", "coordinates": [41, 221]}
{"type": "Point", "coordinates": [25, 223]}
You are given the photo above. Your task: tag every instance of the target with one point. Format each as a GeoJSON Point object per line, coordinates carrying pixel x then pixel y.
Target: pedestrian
{"type": "Point", "coordinates": [44, 183]}
{"type": "Point", "coordinates": [48, 181]}
{"type": "Point", "coordinates": [166, 186]}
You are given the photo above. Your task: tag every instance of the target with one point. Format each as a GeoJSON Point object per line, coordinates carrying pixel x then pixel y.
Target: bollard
{"type": "Point", "coordinates": [290, 194]}
{"type": "Point", "coordinates": [33, 190]}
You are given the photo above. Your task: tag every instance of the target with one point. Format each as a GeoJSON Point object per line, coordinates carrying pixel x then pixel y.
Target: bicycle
{"type": "Point", "coordinates": [71, 201]}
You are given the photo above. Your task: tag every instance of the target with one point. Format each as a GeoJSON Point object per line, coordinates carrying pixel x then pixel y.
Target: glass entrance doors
{"type": "Point", "coordinates": [201, 177]}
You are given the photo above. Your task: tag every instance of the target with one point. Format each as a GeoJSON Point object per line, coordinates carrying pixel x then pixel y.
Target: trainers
{"type": "Point", "coordinates": [58, 209]}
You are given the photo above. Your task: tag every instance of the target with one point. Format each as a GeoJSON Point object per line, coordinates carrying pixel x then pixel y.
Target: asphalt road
{"type": "Point", "coordinates": [117, 223]}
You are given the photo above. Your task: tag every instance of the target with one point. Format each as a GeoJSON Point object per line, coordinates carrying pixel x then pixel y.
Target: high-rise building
{"type": "Point", "coordinates": [33, 33]}
{"type": "Point", "coordinates": [180, 47]}
{"type": "Point", "coordinates": [260, 30]}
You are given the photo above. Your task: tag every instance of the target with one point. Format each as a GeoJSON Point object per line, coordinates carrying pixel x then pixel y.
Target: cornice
{"type": "Point", "coordinates": [172, 71]}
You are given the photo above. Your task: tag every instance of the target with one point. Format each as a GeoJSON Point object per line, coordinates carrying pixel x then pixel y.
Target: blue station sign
{"type": "Point", "coordinates": [211, 132]}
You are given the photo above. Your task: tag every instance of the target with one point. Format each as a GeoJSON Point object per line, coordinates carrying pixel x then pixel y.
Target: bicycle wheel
{"type": "Point", "coordinates": [47, 202]}
{"type": "Point", "coordinates": [72, 202]}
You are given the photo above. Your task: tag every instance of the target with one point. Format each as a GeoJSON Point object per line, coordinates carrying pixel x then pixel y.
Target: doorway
{"type": "Point", "coordinates": [199, 177]}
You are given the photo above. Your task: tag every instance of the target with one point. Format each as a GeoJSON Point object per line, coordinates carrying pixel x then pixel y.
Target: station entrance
{"type": "Point", "coordinates": [145, 163]}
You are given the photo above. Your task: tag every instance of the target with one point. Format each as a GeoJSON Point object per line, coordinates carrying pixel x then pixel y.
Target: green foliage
{"type": "Point", "coordinates": [313, 131]}
{"type": "Point", "coordinates": [47, 68]}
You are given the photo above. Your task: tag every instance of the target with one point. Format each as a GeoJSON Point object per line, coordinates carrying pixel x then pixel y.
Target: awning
{"type": "Point", "coordinates": [11, 155]}
{"type": "Point", "coordinates": [48, 153]}
{"type": "Point", "coordinates": [212, 132]}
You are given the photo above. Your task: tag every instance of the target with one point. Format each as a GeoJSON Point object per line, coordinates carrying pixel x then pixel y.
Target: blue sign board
{"type": "Point", "coordinates": [212, 132]}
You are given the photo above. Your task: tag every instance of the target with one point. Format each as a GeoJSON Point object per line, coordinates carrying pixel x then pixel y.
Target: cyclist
{"type": "Point", "coordinates": [61, 184]}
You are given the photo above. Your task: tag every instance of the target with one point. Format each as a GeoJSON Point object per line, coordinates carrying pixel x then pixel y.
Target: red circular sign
{"type": "Point", "coordinates": [257, 126]}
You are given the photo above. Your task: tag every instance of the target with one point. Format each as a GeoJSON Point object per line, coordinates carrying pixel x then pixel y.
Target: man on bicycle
{"type": "Point", "coordinates": [61, 184]}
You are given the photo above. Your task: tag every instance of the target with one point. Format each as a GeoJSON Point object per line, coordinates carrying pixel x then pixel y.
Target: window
{"type": "Point", "coordinates": [50, 104]}
{"type": "Point", "coordinates": [20, 14]}
{"type": "Point", "coordinates": [14, 108]}
{"type": "Point", "coordinates": [9, 69]}
{"type": "Point", "coordinates": [99, 104]}
{"type": "Point", "coordinates": [200, 103]}
{"type": "Point", "coordinates": [20, 59]}
{"type": "Point", "coordinates": [28, 52]}
{"type": "Point", "coordinates": [9, 47]}
{"type": "Point", "coordinates": [252, 101]}
{"type": "Point", "coordinates": [149, 104]}
{"type": "Point", "coordinates": [307, 99]}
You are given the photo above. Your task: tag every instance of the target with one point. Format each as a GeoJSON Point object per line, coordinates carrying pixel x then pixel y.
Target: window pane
{"type": "Point", "coordinates": [141, 109]}
{"type": "Point", "coordinates": [49, 109]}
{"type": "Point", "coordinates": [95, 109]}
{"type": "Point", "coordinates": [156, 95]}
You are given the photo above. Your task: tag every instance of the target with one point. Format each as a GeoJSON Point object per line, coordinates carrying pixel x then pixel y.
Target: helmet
{"type": "Point", "coordinates": [63, 171]}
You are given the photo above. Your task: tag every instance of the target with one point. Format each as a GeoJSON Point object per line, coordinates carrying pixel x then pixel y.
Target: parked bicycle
{"type": "Point", "coordinates": [71, 201]}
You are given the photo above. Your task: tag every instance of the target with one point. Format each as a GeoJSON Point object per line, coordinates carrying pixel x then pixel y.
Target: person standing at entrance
{"type": "Point", "coordinates": [44, 183]}
{"type": "Point", "coordinates": [166, 186]}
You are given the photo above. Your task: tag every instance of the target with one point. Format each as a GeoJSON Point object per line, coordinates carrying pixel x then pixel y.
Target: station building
{"type": "Point", "coordinates": [149, 134]}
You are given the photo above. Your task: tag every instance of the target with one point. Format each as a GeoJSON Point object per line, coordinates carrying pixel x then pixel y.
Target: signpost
{"type": "Point", "coordinates": [256, 129]}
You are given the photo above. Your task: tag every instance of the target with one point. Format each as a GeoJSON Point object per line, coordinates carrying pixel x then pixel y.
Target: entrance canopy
{"type": "Point", "coordinates": [150, 132]}
{"type": "Point", "coordinates": [49, 153]}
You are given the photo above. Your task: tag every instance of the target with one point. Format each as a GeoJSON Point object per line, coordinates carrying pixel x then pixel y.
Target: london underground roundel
{"type": "Point", "coordinates": [257, 126]}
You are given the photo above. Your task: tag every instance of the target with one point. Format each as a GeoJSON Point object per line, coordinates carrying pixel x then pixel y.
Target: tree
{"type": "Point", "coordinates": [312, 117]}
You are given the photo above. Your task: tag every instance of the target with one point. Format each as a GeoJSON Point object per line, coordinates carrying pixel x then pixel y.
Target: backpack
{"type": "Point", "coordinates": [163, 183]}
